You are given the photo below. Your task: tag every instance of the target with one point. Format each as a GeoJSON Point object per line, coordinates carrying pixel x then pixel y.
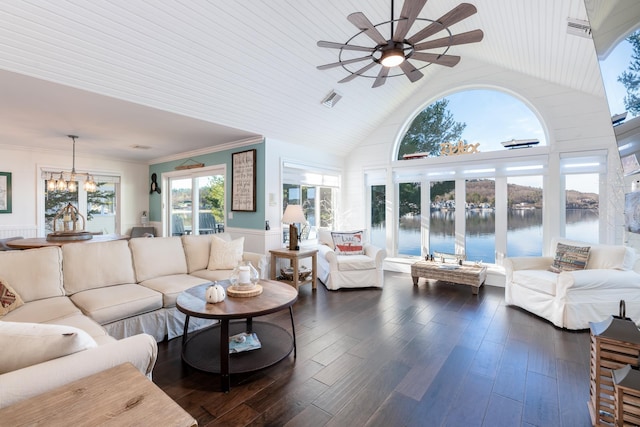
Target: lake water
{"type": "Point", "coordinates": [524, 233]}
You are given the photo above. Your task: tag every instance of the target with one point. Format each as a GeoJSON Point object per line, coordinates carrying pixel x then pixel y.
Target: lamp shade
{"type": "Point", "coordinates": [293, 214]}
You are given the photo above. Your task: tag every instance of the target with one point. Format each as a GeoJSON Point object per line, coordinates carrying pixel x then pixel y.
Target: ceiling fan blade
{"type": "Point", "coordinates": [411, 72]}
{"type": "Point", "coordinates": [362, 22]}
{"type": "Point", "coordinates": [348, 61]}
{"type": "Point", "coordinates": [333, 45]}
{"type": "Point", "coordinates": [446, 60]}
{"type": "Point", "coordinates": [410, 11]}
{"type": "Point", "coordinates": [359, 72]}
{"type": "Point", "coordinates": [455, 15]}
{"type": "Point", "coordinates": [382, 77]}
{"type": "Point", "coordinates": [462, 38]}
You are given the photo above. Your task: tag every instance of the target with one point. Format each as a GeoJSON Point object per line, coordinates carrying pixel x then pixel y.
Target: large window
{"type": "Point", "coordinates": [524, 216]}
{"type": "Point", "coordinates": [489, 205]}
{"type": "Point", "coordinates": [409, 220]}
{"type": "Point", "coordinates": [442, 221]}
{"type": "Point", "coordinates": [480, 215]}
{"type": "Point", "coordinates": [317, 204]}
{"type": "Point", "coordinates": [378, 222]}
{"type": "Point", "coordinates": [317, 191]}
{"type": "Point", "coordinates": [99, 208]}
{"type": "Point", "coordinates": [582, 203]}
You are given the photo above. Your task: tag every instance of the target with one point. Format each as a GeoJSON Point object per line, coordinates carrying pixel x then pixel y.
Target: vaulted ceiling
{"type": "Point", "coordinates": [181, 75]}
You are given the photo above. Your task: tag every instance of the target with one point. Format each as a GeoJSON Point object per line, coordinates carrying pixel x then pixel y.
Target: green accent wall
{"type": "Point", "coordinates": [251, 220]}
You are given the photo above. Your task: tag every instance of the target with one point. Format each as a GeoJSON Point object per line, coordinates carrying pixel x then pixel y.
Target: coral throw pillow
{"type": "Point", "coordinates": [225, 255]}
{"type": "Point", "coordinates": [570, 258]}
{"type": "Point", "coordinates": [348, 243]}
{"type": "Point", "coordinates": [9, 299]}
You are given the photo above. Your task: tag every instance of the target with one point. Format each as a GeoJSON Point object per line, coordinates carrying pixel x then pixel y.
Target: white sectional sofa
{"type": "Point", "coordinates": [572, 299]}
{"type": "Point", "coordinates": [122, 294]}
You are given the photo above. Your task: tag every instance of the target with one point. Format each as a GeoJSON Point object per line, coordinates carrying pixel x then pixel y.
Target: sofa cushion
{"type": "Point", "coordinates": [96, 265]}
{"type": "Point", "coordinates": [9, 299]}
{"type": "Point", "coordinates": [196, 249]}
{"type": "Point", "coordinates": [90, 326]}
{"type": "Point", "coordinates": [324, 237]}
{"type": "Point", "coordinates": [33, 273]}
{"type": "Point", "coordinates": [113, 303]}
{"type": "Point", "coordinates": [33, 343]}
{"type": "Point", "coordinates": [163, 256]}
{"type": "Point", "coordinates": [537, 280]}
{"type": "Point", "coordinates": [225, 255]}
{"type": "Point", "coordinates": [355, 262]}
{"type": "Point", "coordinates": [170, 286]}
{"type": "Point", "coordinates": [570, 258]}
{"type": "Point", "coordinates": [43, 310]}
{"type": "Point", "coordinates": [610, 257]}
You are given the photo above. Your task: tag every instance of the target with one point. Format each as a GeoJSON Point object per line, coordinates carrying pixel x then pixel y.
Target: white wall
{"type": "Point", "coordinates": [25, 165]}
{"type": "Point", "coordinates": [574, 120]}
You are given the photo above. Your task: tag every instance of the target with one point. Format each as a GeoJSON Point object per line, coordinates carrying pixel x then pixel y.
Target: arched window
{"type": "Point", "coordinates": [483, 119]}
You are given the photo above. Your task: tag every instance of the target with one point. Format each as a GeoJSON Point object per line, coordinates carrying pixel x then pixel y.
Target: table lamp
{"type": "Point", "coordinates": [293, 215]}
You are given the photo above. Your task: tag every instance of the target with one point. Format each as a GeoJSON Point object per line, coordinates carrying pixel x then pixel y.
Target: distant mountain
{"type": "Point", "coordinates": [483, 191]}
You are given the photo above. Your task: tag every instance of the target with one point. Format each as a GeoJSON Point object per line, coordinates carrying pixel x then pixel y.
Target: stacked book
{"type": "Point", "coordinates": [243, 342]}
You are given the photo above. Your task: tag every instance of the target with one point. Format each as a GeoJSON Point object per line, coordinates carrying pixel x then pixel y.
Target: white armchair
{"type": "Point", "coordinates": [338, 270]}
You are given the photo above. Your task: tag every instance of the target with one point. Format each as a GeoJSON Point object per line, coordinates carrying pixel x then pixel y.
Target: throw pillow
{"type": "Point", "coordinates": [33, 343]}
{"type": "Point", "coordinates": [225, 255]}
{"type": "Point", "coordinates": [570, 258]}
{"type": "Point", "coordinates": [324, 237]}
{"type": "Point", "coordinates": [9, 299]}
{"type": "Point", "coordinates": [348, 243]}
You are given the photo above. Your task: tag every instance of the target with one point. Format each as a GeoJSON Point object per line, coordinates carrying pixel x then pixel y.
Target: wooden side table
{"type": "Point", "coordinates": [118, 396]}
{"type": "Point", "coordinates": [294, 257]}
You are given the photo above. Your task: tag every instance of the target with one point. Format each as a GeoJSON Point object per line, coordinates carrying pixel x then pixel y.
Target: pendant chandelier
{"type": "Point", "coordinates": [66, 181]}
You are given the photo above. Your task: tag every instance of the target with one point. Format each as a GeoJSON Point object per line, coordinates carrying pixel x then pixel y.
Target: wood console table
{"type": "Point", "coordinates": [119, 396]}
{"type": "Point", "coordinates": [295, 257]}
{"type": "Point", "coordinates": [39, 242]}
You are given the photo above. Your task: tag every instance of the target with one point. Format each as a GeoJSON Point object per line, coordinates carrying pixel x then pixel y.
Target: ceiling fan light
{"type": "Point", "coordinates": [392, 58]}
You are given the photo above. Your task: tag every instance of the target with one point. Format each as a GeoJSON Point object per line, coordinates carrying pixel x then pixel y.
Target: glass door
{"type": "Point", "coordinates": [206, 214]}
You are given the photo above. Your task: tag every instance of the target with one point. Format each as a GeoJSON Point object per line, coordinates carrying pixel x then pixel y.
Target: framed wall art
{"type": "Point", "coordinates": [5, 192]}
{"type": "Point", "coordinates": [243, 181]}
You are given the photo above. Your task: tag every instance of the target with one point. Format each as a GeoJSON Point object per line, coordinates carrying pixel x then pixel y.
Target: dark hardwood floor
{"type": "Point", "coordinates": [431, 355]}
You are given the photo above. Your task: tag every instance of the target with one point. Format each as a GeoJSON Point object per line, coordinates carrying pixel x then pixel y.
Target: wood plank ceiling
{"type": "Point", "coordinates": [236, 69]}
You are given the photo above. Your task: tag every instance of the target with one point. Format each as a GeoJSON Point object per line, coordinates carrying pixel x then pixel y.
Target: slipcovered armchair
{"type": "Point", "coordinates": [345, 261]}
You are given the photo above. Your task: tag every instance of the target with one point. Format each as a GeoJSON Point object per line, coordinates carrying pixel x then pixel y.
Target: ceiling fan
{"type": "Point", "coordinates": [398, 50]}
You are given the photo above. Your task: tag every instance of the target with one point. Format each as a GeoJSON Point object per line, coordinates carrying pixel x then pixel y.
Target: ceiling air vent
{"type": "Point", "coordinates": [140, 147]}
{"type": "Point", "coordinates": [330, 100]}
{"type": "Point", "coordinates": [578, 27]}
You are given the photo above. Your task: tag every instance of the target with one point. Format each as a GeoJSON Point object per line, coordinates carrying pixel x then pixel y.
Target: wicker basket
{"type": "Point", "coordinates": [303, 273]}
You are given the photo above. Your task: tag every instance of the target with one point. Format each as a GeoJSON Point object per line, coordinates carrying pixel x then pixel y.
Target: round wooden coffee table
{"type": "Point", "coordinates": [208, 349]}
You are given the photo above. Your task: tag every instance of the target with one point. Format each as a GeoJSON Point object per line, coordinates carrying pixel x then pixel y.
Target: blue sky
{"type": "Point", "coordinates": [617, 61]}
{"type": "Point", "coordinates": [493, 117]}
